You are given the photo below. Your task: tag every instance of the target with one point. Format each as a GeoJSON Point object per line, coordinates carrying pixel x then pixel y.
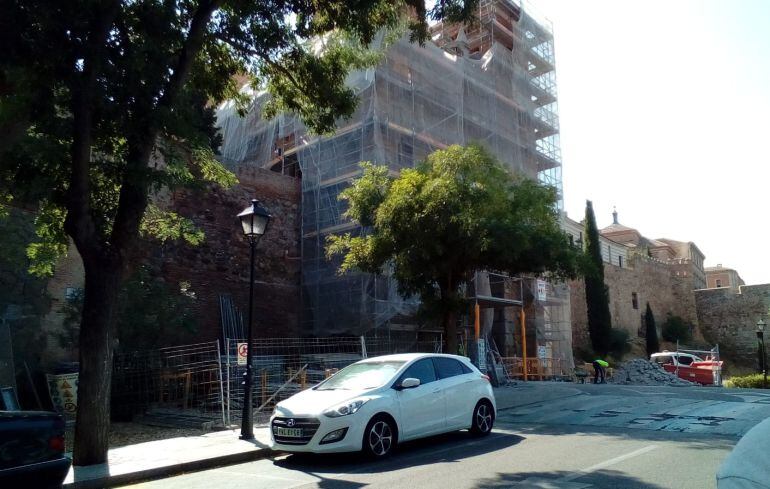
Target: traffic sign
{"type": "Point", "coordinates": [242, 352]}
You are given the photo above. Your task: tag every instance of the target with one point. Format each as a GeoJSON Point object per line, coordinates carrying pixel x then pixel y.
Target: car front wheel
{"type": "Point", "coordinates": [379, 437]}
{"type": "Point", "coordinates": [483, 419]}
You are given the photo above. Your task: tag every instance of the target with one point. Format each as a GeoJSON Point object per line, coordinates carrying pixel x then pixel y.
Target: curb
{"type": "Point", "coordinates": [169, 470]}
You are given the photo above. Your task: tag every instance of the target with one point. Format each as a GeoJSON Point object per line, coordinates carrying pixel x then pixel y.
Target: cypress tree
{"type": "Point", "coordinates": [651, 332]}
{"type": "Point", "coordinates": [597, 296]}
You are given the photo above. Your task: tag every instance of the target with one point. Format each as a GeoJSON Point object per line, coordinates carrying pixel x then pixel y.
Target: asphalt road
{"type": "Point", "coordinates": [547, 436]}
{"type": "Point", "coordinates": [519, 457]}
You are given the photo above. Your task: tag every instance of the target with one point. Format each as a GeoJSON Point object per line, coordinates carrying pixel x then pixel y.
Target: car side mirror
{"type": "Point", "coordinates": [409, 383]}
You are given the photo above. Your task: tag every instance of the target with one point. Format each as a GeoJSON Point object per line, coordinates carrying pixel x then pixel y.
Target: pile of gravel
{"type": "Point", "coordinates": [642, 372]}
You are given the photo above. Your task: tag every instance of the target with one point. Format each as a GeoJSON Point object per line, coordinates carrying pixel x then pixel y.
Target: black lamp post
{"type": "Point", "coordinates": [254, 220]}
{"type": "Point", "coordinates": [761, 346]}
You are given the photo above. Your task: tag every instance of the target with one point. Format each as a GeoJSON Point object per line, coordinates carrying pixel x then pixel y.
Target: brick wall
{"type": "Point", "coordinates": [729, 318]}
{"type": "Point", "coordinates": [713, 277]}
{"type": "Point", "coordinates": [69, 277]}
{"type": "Point", "coordinates": [221, 264]}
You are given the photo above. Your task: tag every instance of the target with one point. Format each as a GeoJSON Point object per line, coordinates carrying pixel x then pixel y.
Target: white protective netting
{"type": "Point", "coordinates": [493, 84]}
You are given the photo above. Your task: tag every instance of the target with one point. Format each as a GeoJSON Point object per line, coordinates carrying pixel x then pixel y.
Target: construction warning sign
{"type": "Point", "coordinates": [243, 350]}
{"type": "Point", "coordinates": [542, 294]}
{"type": "Point", "coordinates": [63, 389]}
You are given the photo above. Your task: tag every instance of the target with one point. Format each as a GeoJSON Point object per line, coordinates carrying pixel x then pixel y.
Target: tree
{"type": "Point", "coordinates": [676, 329]}
{"type": "Point", "coordinates": [104, 102]}
{"type": "Point", "coordinates": [458, 212]}
{"type": "Point", "coordinates": [651, 332]}
{"type": "Point", "coordinates": [597, 296]}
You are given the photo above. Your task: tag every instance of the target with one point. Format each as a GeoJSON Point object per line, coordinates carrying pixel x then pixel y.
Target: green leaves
{"type": "Point", "coordinates": [367, 193]}
{"type": "Point", "coordinates": [5, 202]}
{"type": "Point", "coordinates": [146, 77]}
{"type": "Point", "coordinates": [310, 79]}
{"type": "Point", "coordinates": [457, 213]}
{"type": "Point", "coordinates": [211, 170]}
{"type": "Point", "coordinates": [165, 225]}
{"type": "Point", "coordinates": [52, 241]}
{"type": "Point", "coordinates": [597, 295]}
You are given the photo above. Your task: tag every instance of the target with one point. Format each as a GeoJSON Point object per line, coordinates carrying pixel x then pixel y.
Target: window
{"type": "Point", "coordinates": [634, 300]}
{"type": "Point", "coordinates": [448, 367]}
{"type": "Point", "coordinates": [664, 360]}
{"type": "Point", "coordinates": [683, 360]}
{"type": "Point", "coordinates": [366, 375]}
{"type": "Point", "coordinates": [620, 261]}
{"type": "Point", "coordinates": [719, 283]}
{"type": "Point", "coordinates": [571, 240]}
{"type": "Point", "coordinates": [422, 369]}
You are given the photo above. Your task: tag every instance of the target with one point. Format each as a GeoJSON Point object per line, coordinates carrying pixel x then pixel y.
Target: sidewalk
{"type": "Point", "coordinates": [164, 458]}
{"type": "Point", "coordinates": [168, 457]}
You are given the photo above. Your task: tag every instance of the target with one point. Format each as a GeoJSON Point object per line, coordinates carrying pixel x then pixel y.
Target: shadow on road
{"type": "Point", "coordinates": [606, 479]}
{"type": "Point", "coordinates": [443, 448]}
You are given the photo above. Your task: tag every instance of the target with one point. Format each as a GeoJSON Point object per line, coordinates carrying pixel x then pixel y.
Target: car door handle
{"type": "Point", "coordinates": [436, 391]}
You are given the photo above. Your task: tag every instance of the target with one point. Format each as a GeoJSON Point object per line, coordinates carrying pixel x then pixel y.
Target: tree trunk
{"type": "Point", "coordinates": [450, 330]}
{"type": "Point", "coordinates": [447, 304]}
{"type": "Point", "coordinates": [97, 332]}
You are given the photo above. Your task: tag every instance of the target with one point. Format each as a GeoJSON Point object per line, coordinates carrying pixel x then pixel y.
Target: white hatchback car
{"type": "Point", "coordinates": [373, 404]}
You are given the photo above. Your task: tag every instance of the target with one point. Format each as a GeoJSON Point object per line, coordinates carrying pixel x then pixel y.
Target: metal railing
{"type": "Point", "coordinates": [181, 380]}
{"type": "Point", "coordinates": [284, 366]}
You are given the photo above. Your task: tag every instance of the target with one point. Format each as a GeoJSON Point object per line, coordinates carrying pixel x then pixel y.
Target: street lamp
{"type": "Point", "coordinates": [254, 220]}
{"type": "Point", "coordinates": [761, 346]}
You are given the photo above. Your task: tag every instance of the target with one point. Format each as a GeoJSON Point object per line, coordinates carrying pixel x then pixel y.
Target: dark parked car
{"type": "Point", "coordinates": [32, 450]}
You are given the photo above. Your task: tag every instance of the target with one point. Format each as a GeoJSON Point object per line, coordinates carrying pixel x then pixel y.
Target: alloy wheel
{"type": "Point", "coordinates": [380, 438]}
{"type": "Point", "coordinates": [483, 418]}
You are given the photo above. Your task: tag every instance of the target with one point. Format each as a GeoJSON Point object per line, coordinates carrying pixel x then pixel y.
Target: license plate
{"type": "Point", "coordinates": [292, 432]}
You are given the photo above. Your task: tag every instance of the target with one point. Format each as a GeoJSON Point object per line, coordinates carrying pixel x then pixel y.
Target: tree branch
{"type": "Point", "coordinates": [133, 193]}
{"type": "Point", "coordinates": [189, 51]}
{"type": "Point", "coordinates": [79, 223]}
{"type": "Point", "coordinates": [264, 57]}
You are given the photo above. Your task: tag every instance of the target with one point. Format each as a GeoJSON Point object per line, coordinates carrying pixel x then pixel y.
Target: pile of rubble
{"type": "Point", "coordinates": [642, 372]}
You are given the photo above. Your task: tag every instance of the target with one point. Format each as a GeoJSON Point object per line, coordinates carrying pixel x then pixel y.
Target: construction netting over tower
{"type": "Point", "coordinates": [493, 84]}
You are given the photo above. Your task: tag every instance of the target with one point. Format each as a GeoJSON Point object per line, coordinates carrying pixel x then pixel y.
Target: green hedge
{"type": "Point", "coordinates": [752, 381]}
{"type": "Point", "coordinates": [676, 328]}
{"type": "Point", "coordinates": [619, 342]}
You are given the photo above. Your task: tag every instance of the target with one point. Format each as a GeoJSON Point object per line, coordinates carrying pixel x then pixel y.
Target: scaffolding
{"type": "Point", "coordinates": [527, 319]}
{"type": "Point", "coordinates": [493, 83]}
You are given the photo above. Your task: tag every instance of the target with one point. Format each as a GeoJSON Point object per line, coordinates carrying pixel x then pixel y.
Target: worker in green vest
{"type": "Point", "coordinates": [599, 366]}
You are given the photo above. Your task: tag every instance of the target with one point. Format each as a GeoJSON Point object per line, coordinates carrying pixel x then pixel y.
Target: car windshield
{"type": "Point", "coordinates": [359, 376]}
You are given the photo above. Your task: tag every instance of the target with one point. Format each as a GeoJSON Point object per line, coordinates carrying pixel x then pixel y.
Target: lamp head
{"type": "Point", "coordinates": [254, 220]}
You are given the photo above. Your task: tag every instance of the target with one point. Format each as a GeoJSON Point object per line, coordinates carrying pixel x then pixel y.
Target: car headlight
{"type": "Point", "coordinates": [346, 408]}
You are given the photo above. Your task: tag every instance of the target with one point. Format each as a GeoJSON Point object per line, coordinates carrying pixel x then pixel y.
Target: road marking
{"type": "Point", "coordinates": [607, 463]}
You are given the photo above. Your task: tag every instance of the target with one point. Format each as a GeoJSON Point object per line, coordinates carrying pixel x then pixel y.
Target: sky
{"type": "Point", "coordinates": [665, 114]}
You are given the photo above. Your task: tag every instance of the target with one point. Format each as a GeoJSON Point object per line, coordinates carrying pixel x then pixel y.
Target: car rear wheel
{"type": "Point", "coordinates": [483, 419]}
{"type": "Point", "coordinates": [379, 437]}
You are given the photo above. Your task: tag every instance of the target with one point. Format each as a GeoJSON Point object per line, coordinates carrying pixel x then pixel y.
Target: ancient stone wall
{"type": "Point", "coordinates": [23, 299]}
{"type": "Point", "coordinates": [729, 318]}
{"type": "Point", "coordinates": [646, 280]}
